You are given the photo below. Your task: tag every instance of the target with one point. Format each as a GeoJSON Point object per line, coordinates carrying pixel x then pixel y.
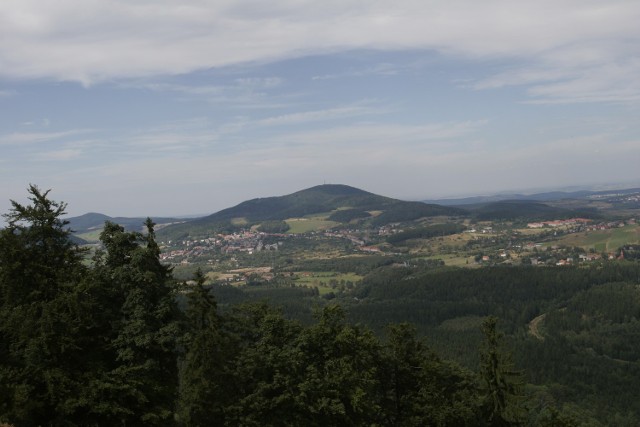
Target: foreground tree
{"type": "Point", "coordinates": [420, 389]}
{"type": "Point", "coordinates": [140, 383]}
{"type": "Point", "coordinates": [204, 369]}
{"type": "Point", "coordinates": [503, 395]}
{"type": "Point", "coordinates": [44, 313]}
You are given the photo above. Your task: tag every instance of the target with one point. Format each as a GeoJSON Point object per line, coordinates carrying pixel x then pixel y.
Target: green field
{"type": "Point", "coordinates": [305, 225]}
{"type": "Point", "coordinates": [322, 280]}
{"type": "Point", "coordinates": [604, 240]}
{"type": "Point", "coordinates": [91, 236]}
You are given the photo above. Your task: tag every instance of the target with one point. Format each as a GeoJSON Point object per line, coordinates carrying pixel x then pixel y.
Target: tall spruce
{"type": "Point", "coordinates": [43, 314]}
{"type": "Point", "coordinates": [420, 389]}
{"type": "Point", "coordinates": [503, 396]}
{"type": "Point", "coordinates": [202, 373]}
{"type": "Point", "coordinates": [141, 386]}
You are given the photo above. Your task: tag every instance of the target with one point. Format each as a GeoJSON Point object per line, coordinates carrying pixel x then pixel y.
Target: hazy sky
{"type": "Point", "coordinates": [168, 107]}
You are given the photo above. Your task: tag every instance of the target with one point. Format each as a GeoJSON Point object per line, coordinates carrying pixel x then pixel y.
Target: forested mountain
{"type": "Point", "coordinates": [540, 197]}
{"type": "Point", "coordinates": [525, 210]}
{"type": "Point", "coordinates": [339, 203]}
{"type": "Point", "coordinates": [319, 199]}
{"type": "Point", "coordinates": [95, 221]}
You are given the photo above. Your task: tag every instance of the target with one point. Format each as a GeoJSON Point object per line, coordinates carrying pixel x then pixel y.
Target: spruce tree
{"type": "Point", "coordinates": [503, 397]}
{"type": "Point", "coordinates": [141, 385]}
{"type": "Point", "coordinates": [201, 374]}
{"type": "Point", "coordinates": [43, 313]}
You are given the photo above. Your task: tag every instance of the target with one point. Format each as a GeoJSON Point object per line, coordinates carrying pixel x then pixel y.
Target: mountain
{"type": "Point", "coordinates": [542, 197]}
{"type": "Point", "coordinates": [529, 210]}
{"type": "Point", "coordinates": [322, 198]}
{"type": "Point", "coordinates": [325, 198]}
{"type": "Point", "coordinates": [93, 221]}
{"type": "Point", "coordinates": [329, 199]}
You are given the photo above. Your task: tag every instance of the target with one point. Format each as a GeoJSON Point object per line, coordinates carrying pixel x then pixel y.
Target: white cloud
{"type": "Point", "coordinates": [21, 138]}
{"type": "Point", "coordinates": [96, 40]}
{"type": "Point", "coordinates": [349, 111]}
{"type": "Point", "coordinates": [60, 155]}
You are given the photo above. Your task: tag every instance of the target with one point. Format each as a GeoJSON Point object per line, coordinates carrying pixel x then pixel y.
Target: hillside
{"type": "Point", "coordinates": [327, 200]}
{"type": "Point", "coordinates": [88, 226]}
{"type": "Point", "coordinates": [525, 210]}
{"type": "Point", "coordinates": [541, 197]}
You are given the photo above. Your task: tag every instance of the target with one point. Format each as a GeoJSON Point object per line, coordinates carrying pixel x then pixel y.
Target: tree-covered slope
{"type": "Point", "coordinates": [524, 210]}
{"type": "Point", "coordinates": [320, 199]}
{"type": "Point", "coordinates": [95, 221]}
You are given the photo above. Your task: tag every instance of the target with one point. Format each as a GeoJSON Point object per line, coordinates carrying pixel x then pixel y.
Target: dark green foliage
{"type": "Point", "coordinates": [630, 252]}
{"type": "Point", "coordinates": [419, 389]}
{"type": "Point", "coordinates": [426, 232]}
{"type": "Point", "coordinates": [409, 211]}
{"type": "Point", "coordinates": [526, 210]}
{"type": "Point", "coordinates": [348, 215]}
{"type": "Point", "coordinates": [502, 384]}
{"type": "Point", "coordinates": [274, 227]}
{"type": "Point", "coordinates": [202, 375]}
{"type": "Point", "coordinates": [44, 313]}
{"type": "Point", "coordinates": [142, 380]}
{"type": "Point", "coordinates": [348, 264]}
{"type": "Point", "coordinates": [83, 346]}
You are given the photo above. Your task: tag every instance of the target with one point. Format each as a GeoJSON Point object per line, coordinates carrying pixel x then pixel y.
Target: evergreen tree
{"type": "Point", "coordinates": [502, 383]}
{"type": "Point", "coordinates": [340, 372]}
{"type": "Point", "coordinates": [43, 314]}
{"type": "Point", "coordinates": [266, 368]}
{"type": "Point", "coordinates": [140, 385]}
{"type": "Point", "coordinates": [202, 374]}
{"type": "Point", "coordinates": [422, 390]}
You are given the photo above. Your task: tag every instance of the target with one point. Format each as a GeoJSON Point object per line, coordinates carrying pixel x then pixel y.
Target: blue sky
{"type": "Point", "coordinates": [172, 107]}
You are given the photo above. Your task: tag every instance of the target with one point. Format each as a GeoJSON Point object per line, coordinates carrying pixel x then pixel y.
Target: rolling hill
{"type": "Point", "coordinates": [320, 199]}
{"type": "Point", "coordinates": [525, 210]}
{"type": "Point", "coordinates": [327, 200]}
{"type": "Point", "coordinates": [87, 227]}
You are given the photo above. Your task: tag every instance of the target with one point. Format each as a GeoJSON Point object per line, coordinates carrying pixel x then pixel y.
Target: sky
{"type": "Point", "coordinates": [177, 107]}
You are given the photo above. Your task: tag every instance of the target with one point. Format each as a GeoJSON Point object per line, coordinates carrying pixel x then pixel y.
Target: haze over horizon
{"type": "Point", "coordinates": [176, 107]}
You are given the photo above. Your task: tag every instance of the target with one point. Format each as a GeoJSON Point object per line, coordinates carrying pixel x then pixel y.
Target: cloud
{"type": "Point", "coordinates": [568, 44]}
{"type": "Point", "coordinates": [359, 109]}
{"type": "Point", "coordinates": [243, 92]}
{"type": "Point", "coordinates": [59, 155]}
{"type": "Point", "coordinates": [22, 138]}
{"type": "Point", "coordinates": [380, 69]}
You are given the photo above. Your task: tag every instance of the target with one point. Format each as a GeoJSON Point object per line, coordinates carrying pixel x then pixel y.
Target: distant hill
{"type": "Point", "coordinates": [328, 199]}
{"type": "Point", "coordinates": [542, 197]}
{"type": "Point", "coordinates": [529, 210]}
{"type": "Point", "coordinates": [322, 198]}
{"type": "Point", "coordinates": [93, 222]}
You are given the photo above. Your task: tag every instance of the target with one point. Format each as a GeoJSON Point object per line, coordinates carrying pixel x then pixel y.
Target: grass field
{"type": "Point", "coordinates": [305, 225]}
{"type": "Point", "coordinates": [604, 240]}
{"type": "Point", "coordinates": [240, 221]}
{"type": "Point", "coordinates": [91, 236]}
{"type": "Point", "coordinates": [321, 279]}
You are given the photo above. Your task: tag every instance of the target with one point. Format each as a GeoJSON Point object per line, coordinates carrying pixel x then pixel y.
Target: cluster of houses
{"type": "Point", "coordinates": [245, 241]}
{"type": "Point", "coordinates": [559, 223]}
{"type": "Point", "coordinates": [586, 224]}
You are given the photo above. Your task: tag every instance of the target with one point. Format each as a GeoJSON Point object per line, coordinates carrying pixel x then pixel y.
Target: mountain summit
{"type": "Point", "coordinates": [331, 199]}
{"type": "Point", "coordinates": [318, 199]}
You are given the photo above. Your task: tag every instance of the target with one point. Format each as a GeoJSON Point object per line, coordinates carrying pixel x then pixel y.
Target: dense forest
{"type": "Point", "coordinates": [112, 338]}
